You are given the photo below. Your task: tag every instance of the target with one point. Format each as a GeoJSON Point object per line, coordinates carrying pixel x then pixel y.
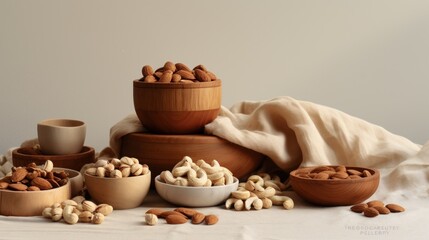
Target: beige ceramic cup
{"type": "Point", "coordinates": [61, 136]}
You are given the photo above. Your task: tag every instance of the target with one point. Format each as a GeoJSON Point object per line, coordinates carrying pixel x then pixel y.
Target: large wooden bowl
{"type": "Point", "coordinates": [22, 157]}
{"type": "Point", "coordinates": [336, 192]}
{"type": "Point", "coordinates": [177, 108]}
{"type": "Point", "coordinates": [31, 203]}
{"type": "Point", "coordinates": [162, 152]}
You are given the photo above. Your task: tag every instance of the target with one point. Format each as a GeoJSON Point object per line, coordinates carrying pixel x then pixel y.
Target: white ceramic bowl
{"type": "Point", "coordinates": [194, 196]}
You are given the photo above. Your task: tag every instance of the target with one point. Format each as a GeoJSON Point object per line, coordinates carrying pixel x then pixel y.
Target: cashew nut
{"type": "Point", "coordinates": [280, 200]}
{"type": "Point", "coordinates": [197, 178]}
{"type": "Point", "coordinates": [230, 202]}
{"type": "Point", "coordinates": [267, 203]}
{"type": "Point", "coordinates": [241, 194]}
{"type": "Point", "coordinates": [69, 216]}
{"type": "Point", "coordinates": [182, 170]}
{"type": "Point", "coordinates": [239, 205]}
{"type": "Point", "coordinates": [268, 192]}
{"type": "Point", "coordinates": [48, 166]}
{"type": "Point", "coordinates": [248, 203]}
{"type": "Point", "coordinates": [151, 219]}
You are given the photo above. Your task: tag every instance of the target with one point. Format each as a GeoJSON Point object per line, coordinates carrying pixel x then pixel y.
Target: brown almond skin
{"type": "Point", "coordinates": [165, 214]}
{"type": "Point", "coordinates": [170, 66]}
{"type": "Point", "coordinates": [18, 175]}
{"type": "Point", "coordinates": [18, 187]}
{"type": "Point", "coordinates": [211, 219]}
{"type": "Point", "coordinates": [4, 185]}
{"type": "Point", "coordinates": [189, 212]}
{"type": "Point", "coordinates": [41, 183]}
{"type": "Point", "coordinates": [359, 208]}
{"type": "Point", "coordinates": [181, 66]}
{"type": "Point", "coordinates": [321, 169]}
{"type": "Point", "coordinates": [186, 75]}
{"type": "Point", "coordinates": [175, 219]}
{"type": "Point", "coordinates": [382, 210]}
{"type": "Point", "coordinates": [202, 76]}
{"type": "Point", "coordinates": [366, 173]}
{"type": "Point", "coordinates": [340, 175]}
{"type": "Point", "coordinates": [201, 67]}
{"type": "Point", "coordinates": [147, 70]}
{"type": "Point", "coordinates": [149, 79]}
{"type": "Point", "coordinates": [166, 76]}
{"type": "Point", "coordinates": [375, 203]}
{"type": "Point", "coordinates": [370, 212]}
{"type": "Point", "coordinates": [395, 208]}
{"type": "Point", "coordinates": [341, 169]}
{"type": "Point", "coordinates": [155, 211]}
{"type": "Point", "coordinates": [211, 75]}
{"type": "Point", "coordinates": [353, 172]}
{"type": "Point", "coordinates": [198, 218]}
{"type": "Point", "coordinates": [33, 188]}
{"type": "Point", "coordinates": [321, 176]}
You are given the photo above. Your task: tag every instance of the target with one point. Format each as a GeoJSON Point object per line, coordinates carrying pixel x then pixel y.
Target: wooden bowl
{"type": "Point", "coordinates": [162, 152]}
{"type": "Point", "coordinates": [120, 193]}
{"type": "Point", "coordinates": [194, 196]}
{"type": "Point", "coordinates": [177, 108]}
{"type": "Point", "coordinates": [31, 203]}
{"type": "Point", "coordinates": [24, 156]}
{"type": "Point", "coordinates": [336, 192]}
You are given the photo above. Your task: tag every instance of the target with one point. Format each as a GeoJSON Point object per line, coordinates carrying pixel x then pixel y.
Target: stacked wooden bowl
{"type": "Point", "coordinates": [175, 115]}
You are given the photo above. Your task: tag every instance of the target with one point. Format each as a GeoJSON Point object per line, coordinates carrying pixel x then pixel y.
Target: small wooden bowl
{"type": "Point", "coordinates": [194, 196]}
{"type": "Point", "coordinates": [177, 108]}
{"type": "Point", "coordinates": [162, 152]}
{"type": "Point", "coordinates": [31, 203]}
{"type": "Point", "coordinates": [120, 193]}
{"type": "Point", "coordinates": [22, 157]}
{"type": "Point", "coordinates": [336, 192]}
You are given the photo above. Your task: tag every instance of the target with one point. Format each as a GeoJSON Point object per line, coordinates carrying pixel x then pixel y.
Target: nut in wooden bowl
{"type": "Point", "coordinates": [335, 185]}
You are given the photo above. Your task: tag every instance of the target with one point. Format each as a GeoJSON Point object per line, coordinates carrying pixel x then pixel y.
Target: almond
{"type": "Point", "coordinates": [33, 188]}
{"type": "Point", "coordinates": [186, 75]}
{"type": "Point", "coordinates": [359, 208]}
{"type": "Point", "coordinates": [18, 186]}
{"type": "Point", "coordinates": [370, 212]}
{"type": "Point", "coordinates": [54, 183]}
{"type": "Point", "coordinates": [181, 66]}
{"type": "Point", "coordinates": [321, 169]}
{"type": "Point", "coordinates": [354, 176]}
{"type": "Point", "coordinates": [18, 175]}
{"type": "Point", "coordinates": [4, 185]}
{"type": "Point", "coordinates": [149, 79]}
{"type": "Point", "coordinates": [157, 75]}
{"type": "Point", "coordinates": [354, 172]}
{"type": "Point", "coordinates": [201, 67]}
{"type": "Point", "coordinates": [201, 76]}
{"type": "Point", "coordinates": [211, 219]}
{"type": "Point", "coordinates": [186, 211]}
{"type": "Point", "coordinates": [166, 76]}
{"type": "Point", "coordinates": [41, 183]}
{"type": "Point", "coordinates": [321, 176]}
{"type": "Point", "coordinates": [375, 203]}
{"type": "Point", "coordinates": [175, 219]}
{"type": "Point", "coordinates": [170, 66]}
{"type": "Point", "coordinates": [366, 173]}
{"type": "Point", "coordinates": [176, 77]}
{"type": "Point", "coordinates": [394, 208]}
{"type": "Point", "coordinates": [165, 214]}
{"type": "Point", "coordinates": [147, 70]}
{"type": "Point", "coordinates": [341, 169]}
{"type": "Point", "coordinates": [198, 218]}
{"type": "Point", "coordinates": [382, 210]}
{"type": "Point", "coordinates": [211, 75]}
{"type": "Point", "coordinates": [340, 175]}
{"type": "Point", "coordinates": [156, 211]}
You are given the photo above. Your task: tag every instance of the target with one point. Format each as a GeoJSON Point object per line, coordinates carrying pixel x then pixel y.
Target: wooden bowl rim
{"type": "Point", "coordinates": [159, 85]}
{"type": "Point", "coordinates": [375, 174]}
{"type": "Point", "coordinates": [34, 192]}
{"type": "Point", "coordinates": [177, 138]}
{"type": "Point", "coordinates": [107, 179]}
{"type": "Point", "coordinates": [158, 180]}
{"type": "Point", "coordinates": [86, 150]}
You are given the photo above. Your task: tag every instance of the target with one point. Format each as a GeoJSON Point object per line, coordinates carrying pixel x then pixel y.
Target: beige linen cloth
{"type": "Point", "coordinates": [295, 133]}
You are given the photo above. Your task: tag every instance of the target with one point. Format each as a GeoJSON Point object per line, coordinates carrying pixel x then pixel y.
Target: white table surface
{"type": "Point", "coordinates": [305, 221]}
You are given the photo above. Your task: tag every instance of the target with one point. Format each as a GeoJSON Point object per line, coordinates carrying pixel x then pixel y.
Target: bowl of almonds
{"type": "Point", "coordinates": [27, 190]}
{"type": "Point", "coordinates": [175, 99]}
{"type": "Point", "coordinates": [122, 183]}
{"type": "Point", "coordinates": [335, 185]}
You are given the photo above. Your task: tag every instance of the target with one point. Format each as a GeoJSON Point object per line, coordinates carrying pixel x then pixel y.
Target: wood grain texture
{"type": "Point", "coordinates": [177, 108]}
{"type": "Point", "coordinates": [72, 161]}
{"type": "Point", "coordinates": [336, 192]}
{"type": "Point", "coordinates": [31, 203]}
{"type": "Point", "coordinates": [162, 152]}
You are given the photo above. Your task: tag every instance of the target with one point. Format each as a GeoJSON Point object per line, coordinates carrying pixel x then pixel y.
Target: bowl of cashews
{"type": "Point", "coordinates": [196, 184]}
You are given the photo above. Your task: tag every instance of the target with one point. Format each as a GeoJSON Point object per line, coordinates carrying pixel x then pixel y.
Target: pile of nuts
{"type": "Point", "coordinates": [76, 210]}
{"type": "Point", "coordinates": [328, 172]}
{"type": "Point", "coordinates": [259, 191]}
{"type": "Point", "coordinates": [376, 207]}
{"type": "Point", "coordinates": [117, 168]}
{"type": "Point", "coordinates": [34, 178]}
{"type": "Point", "coordinates": [199, 174]}
{"type": "Point", "coordinates": [179, 216]}
{"type": "Point", "coordinates": [177, 73]}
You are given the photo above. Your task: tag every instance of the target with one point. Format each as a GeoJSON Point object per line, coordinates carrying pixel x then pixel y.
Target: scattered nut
{"type": "Point", "coordinates": [151, 219]}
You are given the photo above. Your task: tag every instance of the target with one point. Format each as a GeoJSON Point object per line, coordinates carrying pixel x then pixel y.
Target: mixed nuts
{"type": "Point", "coordinates": [118, 168]}
{"type": "Point", "coordinates": [179, 216]}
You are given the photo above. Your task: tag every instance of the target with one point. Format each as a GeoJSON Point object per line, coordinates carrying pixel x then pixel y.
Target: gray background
{"type": "Point", "coordinates": [77, 59]}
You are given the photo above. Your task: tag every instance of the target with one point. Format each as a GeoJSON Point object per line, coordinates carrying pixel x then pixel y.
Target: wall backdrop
{"type": "Point", "coordinates": [77, 59]}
